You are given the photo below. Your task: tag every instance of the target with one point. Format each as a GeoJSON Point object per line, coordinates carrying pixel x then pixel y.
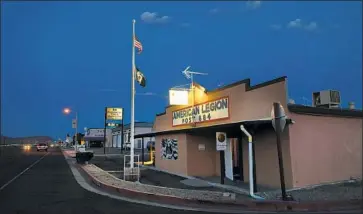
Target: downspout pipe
{"type": "Point", "coordinates": [250, 163]}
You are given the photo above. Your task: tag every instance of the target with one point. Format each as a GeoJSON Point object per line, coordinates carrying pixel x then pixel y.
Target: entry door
{"type": "Point", "coordinates": [114, 138]}
{"type": "Point", "coordinates": [119, 141]}
{"type": "Point", "coordinates": [228, 160]}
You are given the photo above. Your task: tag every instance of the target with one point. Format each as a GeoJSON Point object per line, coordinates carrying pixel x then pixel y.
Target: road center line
{"type": "Point", "coordinates": [17, 176]}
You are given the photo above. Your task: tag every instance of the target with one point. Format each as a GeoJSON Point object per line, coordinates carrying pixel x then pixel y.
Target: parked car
{"type": "Point", "coordinates": [150, 145]}
{"type": "Point", "coordinates": [42, 147]}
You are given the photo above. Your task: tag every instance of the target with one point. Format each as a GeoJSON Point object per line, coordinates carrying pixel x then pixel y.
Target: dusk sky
{"type": "Point", "coordinates": [78, 55]}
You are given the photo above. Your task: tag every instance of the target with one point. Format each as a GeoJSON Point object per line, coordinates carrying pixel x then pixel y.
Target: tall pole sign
{"type": "Point", "coordinates": [278, 122]}
{"type": "Point", "coordinates": [113, 119]}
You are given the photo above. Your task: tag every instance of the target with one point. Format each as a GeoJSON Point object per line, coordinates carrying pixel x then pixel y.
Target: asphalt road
{"type": "Point", "coordinates": [17, 159]}
{"type": "Point", "coordinates": [49, 187]}
{"type": "Point", "coordinates": [39, 182]}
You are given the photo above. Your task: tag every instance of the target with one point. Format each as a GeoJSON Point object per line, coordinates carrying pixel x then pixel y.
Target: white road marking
{"type": "Point", "coordinates": [17, 176]}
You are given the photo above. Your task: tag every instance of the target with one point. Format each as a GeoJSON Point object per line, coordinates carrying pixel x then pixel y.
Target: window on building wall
{"type": "Point", "coordinates": [128, 137]}
{"type": "Point", "coordinates": [139, 143]}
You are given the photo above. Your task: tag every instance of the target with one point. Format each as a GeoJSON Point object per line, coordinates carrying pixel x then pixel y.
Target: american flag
{"type": "Point", "coordinates": [137, 44]}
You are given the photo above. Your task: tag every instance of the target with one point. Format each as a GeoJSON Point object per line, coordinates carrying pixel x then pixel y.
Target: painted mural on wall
{"type": "Point", "coordinates": [169, 149]}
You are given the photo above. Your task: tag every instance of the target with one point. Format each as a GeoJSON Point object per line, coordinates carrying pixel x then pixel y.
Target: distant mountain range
{"type": "Point", "coordinates": [24, 140]}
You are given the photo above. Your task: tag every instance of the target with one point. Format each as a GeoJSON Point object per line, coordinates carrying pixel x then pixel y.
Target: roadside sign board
{"type": "Point", "coordinates": [113, 117]}
{"type": "Point", "coordinates": [111, 124]}
{"type": "Point", "coordinates": [221, 141]}
{"type": "Point", "coordinates": [74, 123]}
{"type": "Point", "coordinates": [114, 113]}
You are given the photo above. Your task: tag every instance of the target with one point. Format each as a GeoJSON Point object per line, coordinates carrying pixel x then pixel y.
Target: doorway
{"type": "Point", "coordinates": [228, 160]}
{"type": "Point", "coordinates": [237, 158]}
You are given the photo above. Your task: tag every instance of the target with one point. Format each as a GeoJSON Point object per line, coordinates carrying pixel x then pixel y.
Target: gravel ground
{"type": "Point", "coordinates": [342, 191]}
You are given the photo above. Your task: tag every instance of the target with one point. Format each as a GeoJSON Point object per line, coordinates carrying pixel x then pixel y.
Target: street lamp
{"type": "Point", "coordinates": [68, 111]}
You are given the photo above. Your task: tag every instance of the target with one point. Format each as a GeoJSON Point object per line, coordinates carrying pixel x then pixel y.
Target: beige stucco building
{"type": "Point", "coordinates": [318, 144]}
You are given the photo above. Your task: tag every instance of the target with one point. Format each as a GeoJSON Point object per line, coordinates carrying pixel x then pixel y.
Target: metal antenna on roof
{"type": "Point", "coordinates": [189, 75]}
{"type": "Point", "coordinates": [186, 73]}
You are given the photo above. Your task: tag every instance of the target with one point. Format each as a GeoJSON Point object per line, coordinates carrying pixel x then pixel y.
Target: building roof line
{"type": "Point", "coordinates": [248, 87]}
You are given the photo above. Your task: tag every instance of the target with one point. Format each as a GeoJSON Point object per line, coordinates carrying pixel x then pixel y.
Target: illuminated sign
{"type": "Point", "coordinates": [178, 97]}
{"type": "Point", "coordinates": [114, 114]}
{"type": "Point", "coordinates": [209, 111]}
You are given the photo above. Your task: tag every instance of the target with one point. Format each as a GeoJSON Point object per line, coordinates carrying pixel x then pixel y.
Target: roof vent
{"type": "Point", "coordinates": [351, 105]}
{"type": "Point", "coordinates": [327, 99]}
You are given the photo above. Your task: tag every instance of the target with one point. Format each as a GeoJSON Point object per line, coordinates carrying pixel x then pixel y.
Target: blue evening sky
{"type": "Point", "coordinates": [78, 54]}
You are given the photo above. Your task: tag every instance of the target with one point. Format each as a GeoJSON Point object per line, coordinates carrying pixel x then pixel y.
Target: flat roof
{"type": "Point", "coordinates": [321, 111]}
{"type": "Point", "coordinates": [227, 127]}
{"type": "Point", "coordinates": [295, 108]}
{"type": "Point", "coordinates": [137, 125]}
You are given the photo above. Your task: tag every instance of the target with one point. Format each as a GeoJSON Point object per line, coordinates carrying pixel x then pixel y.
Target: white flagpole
{"type": "Point", "coordinates": [193, 116]}
{"type": "Point", "coordinates": [132, 97]}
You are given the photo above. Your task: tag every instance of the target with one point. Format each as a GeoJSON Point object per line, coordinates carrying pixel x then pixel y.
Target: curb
{"type": "Point", "coordinates": [265, 205]}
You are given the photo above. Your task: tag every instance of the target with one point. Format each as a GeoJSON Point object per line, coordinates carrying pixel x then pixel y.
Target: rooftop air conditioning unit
{"type": "Point", "coordinates": [327, 98]}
